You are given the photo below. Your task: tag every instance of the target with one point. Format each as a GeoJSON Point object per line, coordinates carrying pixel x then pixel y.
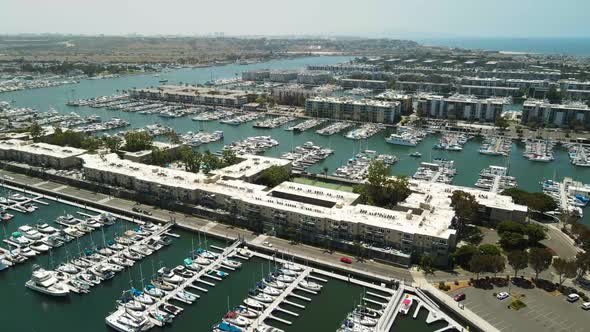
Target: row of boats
{"type": "Point", "coordinates": [495, 179]}
{"type": "Point", "coordinates": [141, 310]}
{"type": "Point", "coordinates": [30, 241]}
{"type": "Point", "coordinates": [263, 295]}
{"type": "Point", "coordinates": [452, 142]}
{"type": "Point", "coordinates": [570, 196]}
{"type": "Point", "coordinates": [240, 118]}
{"type": "Point", "coordinates": [201, 137]}
{"type": "Point", "coordinates": [539, 150]}
{"type": "Point", "coordinates": [407, 136]}
{"type": "Point", "coordinates": [361, 319]}
{"type": "Point", "coordinates": [113, 123]}
{"type": "Point", "coordinates": [334, 128]}
{"type": "Point", "coordinates": [94, 266]}
{"type": "Point", "coordinates": [252, 145]}
{"type": "Point", "coordinates": [439, 170]}
{"type": "Point", "coordinates": [579, 155]}
{"type": "Point", "coordinates": [306, 125]}
{"type": "Point", "coordinates": [357, 168]}
{"type": "Point", "coordinates": [496, 146]}
{"type": "Point", "coordinates": [273, 122]}
{"type": "Point", "coordinates": [365, 131]}
{"type": "Point", "coordinates": [306, 155]}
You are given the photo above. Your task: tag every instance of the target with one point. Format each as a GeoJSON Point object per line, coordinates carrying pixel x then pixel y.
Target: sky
{"type": "Point", "coordinates": [364, 18]}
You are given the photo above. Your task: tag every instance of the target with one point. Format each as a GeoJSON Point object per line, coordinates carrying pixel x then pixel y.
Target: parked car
{"type": "Point", "coordinates": [502, 295]}
{"type": "Point", "coordinates": [346, 260]}
{"type": "Point", "coordinates": [586, 305]}
{"type": "Point", "coordinates": [459, 297]}
{"type": "Point", "coordinates": [573, 297]}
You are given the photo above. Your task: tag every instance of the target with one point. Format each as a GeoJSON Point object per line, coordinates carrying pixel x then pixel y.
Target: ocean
{"type": "Point", "coordinates": [577, 46]}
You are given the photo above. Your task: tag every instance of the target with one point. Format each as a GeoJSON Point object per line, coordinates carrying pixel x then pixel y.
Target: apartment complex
{"type": "Point", "coordinates": [256, 75]}
{"type": "Point", "coordinates": [41, 154]}
{"type": "Point", "coordinates": [283, 76]}
{"type": "Point", "coordinates": [460, 107]}
{"type": "Point", "coordinates": [405, 100]}
{"type": "Point", "coordinates": [192, 95]}
{"type": "Point", "coordinates": [314, 77]}
{"type": "Point", "coordinates": [410, 86]}
{"type": "Point", "coordinates": [363, 110]}
{"type": "Point", "coordinates": [350, 83]}
{"type": "Point", "coordinates": [575, 89]}
{"type": "Point", "coordinates": [559, 115]}
{"type": "Point", "coordinates": [502, 87]}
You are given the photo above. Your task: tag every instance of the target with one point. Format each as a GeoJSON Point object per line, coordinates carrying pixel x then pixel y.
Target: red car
{"type": "Point", "coordinates": [459, 297]}
{"type": "Point", "coordinates": [346, 260]}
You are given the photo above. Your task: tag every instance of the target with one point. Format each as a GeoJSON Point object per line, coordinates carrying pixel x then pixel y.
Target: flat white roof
{"type": "Point", "coordinates": [249, 166]}
{"type": "Point", "coordinates": [326, 194]}
{"type": "Point", "coordinates": [50, 150]}
{"type": "Point", "coordinates": [352, 101]}
{"type": "Point", "coordinates": [546, 104]}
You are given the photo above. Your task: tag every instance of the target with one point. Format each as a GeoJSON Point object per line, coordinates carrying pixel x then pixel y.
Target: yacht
{"type": "Point", "coordinates": [43, 281]}
{"type": "Point", "coordinates": [46, 229]}
{"type": "Point", "coordinates": [398, 139]}
{"type": "Point", "coordinates": [245, 312]}
{"type": "Point", "coordinates": [153, 291]}
{"type": "Point", "coordinates": [231, 263]}
{"type": "Point", "coordinates": [253, 304]}
{"type": "Point", "coordinates": [266, 328]}
{"type": "Point", "coordinates": [30, 233]}
{"type": "Point", "coordinates": [68, 268]}
{"type": "Point", "coordinates": [124, 323]}
{"type": "Point", "coordinates": [102, 271]}
{"type": "Point", "coordinates": [17, 197]}
{"type": "Point", "coordinates": [192, 265]}
{"type": "Point", "coordinates": [19, 239]}
{"type": "Point", "coordinates": [38, 246]}
{"type": "Point", "coordinates": [27, 252]}
{"type": "Point", "coordinates": [292, 267]}
{"type": "Point", "coordinates": [416, 154]}
{"type": "Point", "coordinates": [67, 219]}
{"type": "Point", "coordinates": [260, 297]}
{"type": "Point", "coordinates": [169, 276]}
{"type": "Point", "coordinates": [234, 318]}
{"type": "Point", "coordinates": [310, 285]}
{"type": "Point", "coordinates": [183, 272]}
{"type": "Point", "coordinates": [226, 327]}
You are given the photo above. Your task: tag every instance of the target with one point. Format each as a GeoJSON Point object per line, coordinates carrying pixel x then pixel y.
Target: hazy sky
{"type": "Point", "coordinates": [392, 18]}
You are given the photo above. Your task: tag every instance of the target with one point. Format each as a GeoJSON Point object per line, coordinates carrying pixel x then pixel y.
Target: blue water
{"type": "Point", "coordinates": [578, 46]}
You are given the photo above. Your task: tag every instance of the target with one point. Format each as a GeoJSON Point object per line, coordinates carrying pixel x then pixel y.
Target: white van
{"type": "Point", "coordinates": [573, 297]}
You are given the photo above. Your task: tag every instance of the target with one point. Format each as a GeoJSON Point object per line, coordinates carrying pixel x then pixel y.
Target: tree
{"type": "Point", "coordinates": [325, 171]}
{"type": "Point", "coordinates": [539, 260]}
{"type": "Point", "coordinates": [138, 141]}
{"type": "Point", "coordinates": [535, 233]}
{"type": "Point", "coordinates": [466, 209]}
{"type": "Point", "coordinates": [565, 269]}
{"type": "Point", "coordinates": [554, 96]}
{"type": "Point", "coordinates": [497, 264]}
{"type": "Point", "coordinates": [489, 249]}
{"type": "Point", "coordinates": [35, 130]}
{"type": "Point", "coordinates": [502, 123]}
{"type": "Point", "coordinates": [535, 201]}
{"type": "Point", "coordinates": [273, 176]}
{"type": "Point", "coordinates": [518, 260]}
{"type": "Point", "coordinates": [583, 263]}
{"type": "Point", "coordinates": [173, 137]}
{"type": "Point", "coordinates": [463, 255]}
{"type": "Point", "coordinates": [479, 264]}
{"type": "Point", "coordinates": [426, 263]}
{"type": "Point", "coordinates": [381, 189]}
{"type": "Point", "coordinates": [510, 226]}
{"type": "Point", "coordinates": [229, 157]}
{"type": "Point", "coordinates": [512, 241]}
{"type": "Point", "coordinates": [113, 143]}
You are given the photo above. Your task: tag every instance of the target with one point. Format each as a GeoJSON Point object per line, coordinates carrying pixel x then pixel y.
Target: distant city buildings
{"type": "Point", "coordinates": [364, 84]}
{"type": "Point", "coordinates": [460, 107]}
{"type": "Point", "coordinates": [363, 110]}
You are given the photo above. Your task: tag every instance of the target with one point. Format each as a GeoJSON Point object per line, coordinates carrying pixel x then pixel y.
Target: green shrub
{"type": "Point", "coordinates": [517, 305]}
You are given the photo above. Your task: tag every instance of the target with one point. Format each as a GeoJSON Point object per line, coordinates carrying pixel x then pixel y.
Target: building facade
{"type": "Point", "coordinates": [460, 107]}
{"type": "Point", "coordinates": [364, 110]}
{"type": "Point", "coordinates": [41, 154]}
{"type": "Point", "coordinates": [542, 112]}
{"type": "Point", "coordinates": [193, 95]}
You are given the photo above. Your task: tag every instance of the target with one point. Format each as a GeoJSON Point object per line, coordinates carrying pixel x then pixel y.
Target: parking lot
{"type": "Point", "coordinates": [544, 311]}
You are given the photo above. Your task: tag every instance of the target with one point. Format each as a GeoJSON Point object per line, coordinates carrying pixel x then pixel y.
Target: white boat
{"type": "Point", "coordinates": [266, 328]}
{"type": "Point", "coordinates": [68, 268]}
{"type": "Point", "coordinates": [253, 304]}
{"type": "Point", "coordinates": [398, 139]}
{"type": "Point", "coordinates": [153, 291]}
{"type": "Point", "coordinates": [192, 265]}
{"type": "Point", "coordinates": [292, 267]}
{"type": "Point", "coordinates": [27, 252]}
{"type": "Point", "coordinates": [201, 260]}
{"type": "Point", "coordinates": [81, 263]}
{"type": "Point", "coordinates": [310, 285]}
{"type": "Point", "coordinates": [243, 311]}
{"type": "Point", "coordinates": [234, 318]}
{"type": "Point", "coordinates": [44, 282]}
{"type": "Point", "coordinates": [260, 297]}
{"type": "Point", "coordinates": [284, 278]}
{"type": "Point", "coordinates": [232, 263]}
{"type": "Point", "coordinates": [169, 276]}
{"type": "Point", "coordinates": [30, 233]}
{"type": "Point", "coordinates": [19, 239]}
{"type": "Point", "coordinates": [269, 290]}
{"type": "Point", "coordinates": [17, 197]}
{"type": "Point", "coordinates": [121, 261]}
{"type": "Point", "coordinates": [102, 271]}
{"type": "Point", "coordinates": [274, 283]}
{"type": "Point", "coordinates": [46, 229]}
{"type": "Point", "coordinates": [122, 322]}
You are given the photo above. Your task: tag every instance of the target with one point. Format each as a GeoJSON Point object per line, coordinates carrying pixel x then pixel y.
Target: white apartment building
{"type": "Point", "coordinates": [193, 95]}
{"type": "Point", "coordinates": [256, 75]}
{"type": "Point", "coordinates": [461, 107]}
{"type": "Point", "coordinates": [314, 77]}
{"type": "Point", "coordinates": [41, 154]}
{"type": "Point", "coordinates": [559, 115]}
{"type": "Point", "coordinates": [363, 110]}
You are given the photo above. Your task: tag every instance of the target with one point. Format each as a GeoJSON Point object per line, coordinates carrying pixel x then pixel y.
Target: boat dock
{"type": "Point", "coordinates": [187, 283]}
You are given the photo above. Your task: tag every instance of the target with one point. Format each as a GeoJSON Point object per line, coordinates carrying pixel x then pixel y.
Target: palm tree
{"type": "Point", "coordinates": [325, 169]}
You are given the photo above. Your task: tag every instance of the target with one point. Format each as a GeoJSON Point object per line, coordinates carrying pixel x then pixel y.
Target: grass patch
{"type": "Point", "coordinates": [517, 305]}
{"type": "Point", "coordinates": [322, 184]}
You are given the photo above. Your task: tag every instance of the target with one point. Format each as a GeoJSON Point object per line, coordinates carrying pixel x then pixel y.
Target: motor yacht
{"type": "Point", "coordinates": [231, 263]}
{"type": "Point", "coordinates": [169, 276]}
{"type": "Point", "coordinates": [39, 246]}
{"type": "Point", "coordinates": [46, 229]}
{"type": "Point", "coordinates": [121, 261]}
{"type": "Point", "coordinates": [68, 268]}
{"type": "Point", "coordinates": [310, 285]}
{"type": "Point", "coordinates": [44, 281]}
{"type": "Point", "coordinates": [102, 271]}
{"type": "Point", "coordinates": [406, 305]}
{"type": "Point", "coordinates": [30, 233]}
{"type": "Point", "coordinates": [235, 319]}
{"type": "Point", "coordinates": [153, 291]}
{"type": "Point", "coordinates": [266, 328]}
{"type": "Point", "coordinates": [192, 265]}
{"type": "Point", "coordinates": [19, 239]}
{"type": "Point", "coordinates": [183, 272]}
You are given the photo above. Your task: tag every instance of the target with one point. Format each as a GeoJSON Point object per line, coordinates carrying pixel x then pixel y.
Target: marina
{"type": "Point", "coordinates": [406, 137]}
{"type": "Point", "coordinates": [274, 122]}
{"type": "Point", "coordinates": [365, 131]}
{"type": "Point", "coordinates": [495, 179]}
{"type": "Point", "coordinates": [199, 138]}
{"type": "Point", "coordinates": [252, 145]}
{"type": "Point", "coordinates": [306, 125]}
{"type": "Point", "coordinates": [334, 128]}
{"type": "Point", "coordinates": [306, 155]}
{"type": "Point", "coordinates": [439, 170]}
{"type": "Point", "coordinates": [496, 146]}
{"type": "Point", "coordinates": [579, 155]}
{"type": "Point", "coordinates": [452, 142]}
{"type": "Point", "coordinates": [539, 150]}
{"type": "Point", "coordinates": [357, 167]}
